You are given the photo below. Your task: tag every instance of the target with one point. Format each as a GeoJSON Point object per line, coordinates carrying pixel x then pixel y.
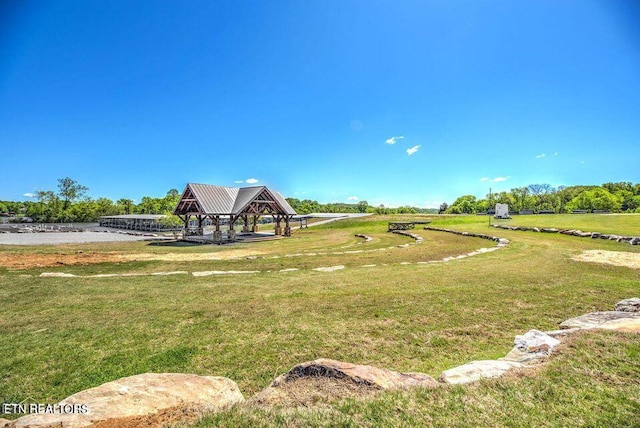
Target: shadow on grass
{"type": "Point", "coordinates": [174, 244]}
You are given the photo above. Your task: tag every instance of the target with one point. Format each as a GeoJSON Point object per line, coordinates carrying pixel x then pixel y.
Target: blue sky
{"type": "Point", "coordinates": [393, 102]}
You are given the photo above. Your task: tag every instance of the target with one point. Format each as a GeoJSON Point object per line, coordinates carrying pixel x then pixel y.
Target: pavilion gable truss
{"type": "Point", "coordinates": [263, 202]}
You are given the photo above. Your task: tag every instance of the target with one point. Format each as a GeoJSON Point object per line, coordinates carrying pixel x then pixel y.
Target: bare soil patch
{"type": "Point", "coordinates": [27, 261]}
{"type": "Point", "coordinates": [161, 419]}
{"type": "Point", "coordinates": [616, 258]}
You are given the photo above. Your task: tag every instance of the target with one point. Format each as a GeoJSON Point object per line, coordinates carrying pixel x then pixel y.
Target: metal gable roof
{"type": "Point", "coordinates": [221, 200]}
{"type": "Point", "coordinates": [283, 203]}
{"type": "Point", "coordinates": [215, 199]}
{"type": "Point", "coordinates": [245, 196]}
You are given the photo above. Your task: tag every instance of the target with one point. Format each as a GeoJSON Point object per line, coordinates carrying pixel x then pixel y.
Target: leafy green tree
{"type": "Point", "coordinates": [634, 204]}
{"type": "Point", "coordinates": [105, 207]}
{"type": "Point", "coordinates": [363, 206]}
{"type": "Point", "coordinates": [522, 199]}
{"type": "Point", "coordinates": [70, 191]}
{"type": "Point", "coordinates": [172, 221]}
{"type": "Point", "coordinates": [595, 199]}
{"type": "Point", "coordinates": [541, 194]}
{"type": "Point", "coordinates": [148, 205]}
{"type": "Point", "coordinates": [626, 199]}
{"type": "Point", "coordinates": [48, 208]}
{"type": "Point", "coordinates": [170, 201]}
{"type": "Point", "coordinates": [125, 206]}
{"type": "Point", "coordinates": [464, 205]}
{"type": "Point", "coordinates": [82, 211]}
{"type": "Point", "coordinates": [618, 186]}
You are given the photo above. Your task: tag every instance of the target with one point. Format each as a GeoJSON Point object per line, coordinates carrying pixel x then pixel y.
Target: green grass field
{"type": "Point", "coordinates": [62, 335]}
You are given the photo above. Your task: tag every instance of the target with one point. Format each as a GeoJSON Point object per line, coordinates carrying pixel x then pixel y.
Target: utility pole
{"type": "Point", "coordinates": [489, 207]}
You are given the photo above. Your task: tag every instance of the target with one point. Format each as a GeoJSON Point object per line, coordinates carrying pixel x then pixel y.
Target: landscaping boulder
{"type": "Point", "coordinates": [476, 370]}
{"type": "Point", "coordinates": [139, 395]}
{"type": "Point", "coordinates": [628, 305]}
{"type": "Point", "coordinates": [4, 422]}
{"type": "Point", "coordinates": [325, 379]}
{"type": "Point", "coordinates": [609, 320]}
{"type": "Point", "coordinates": [531, 347]}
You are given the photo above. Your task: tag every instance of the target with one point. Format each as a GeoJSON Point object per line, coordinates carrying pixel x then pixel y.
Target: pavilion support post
{"type": "Point", "coordinates": [254, 229]}
{"type": "Point", "coordinates": [217, 234]}
{"type": "Point", "coordinates": [185, 230]}
{"type": "Point", "coordinates": [287, 227]}
{"type": "Point", "coordinates": [232, 233]}
{"type": "Point", "coordinates": [245, 224]}
{"type": "Point", "coordinates": [278, 230]}
{"type": "Point", "coordinates": [200, 228]}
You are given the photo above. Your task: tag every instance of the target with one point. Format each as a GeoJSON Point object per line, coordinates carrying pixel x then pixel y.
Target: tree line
{"type": "Point", "coordinates": [308, 206]}
{"type": "Point", "coordinates": [70, 204]}
{"type": "Point", "coordinates": [614, 197]}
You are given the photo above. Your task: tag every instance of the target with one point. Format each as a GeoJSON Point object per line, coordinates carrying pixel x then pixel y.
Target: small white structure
{"type": "Point", "coordinates": [502, 211]}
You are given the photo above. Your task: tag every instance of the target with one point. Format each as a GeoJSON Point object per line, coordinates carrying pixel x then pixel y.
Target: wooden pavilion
{"type": "Point", "coordinates": [217, 203]}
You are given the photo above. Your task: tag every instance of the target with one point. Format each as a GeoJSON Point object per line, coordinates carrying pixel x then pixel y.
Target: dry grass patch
{"type": "Point", "coordinates": [615, 258]}
{"type": "Point", "coordinates": [315, 391]}
{"type": "Point", "coordinates": [228, 254]}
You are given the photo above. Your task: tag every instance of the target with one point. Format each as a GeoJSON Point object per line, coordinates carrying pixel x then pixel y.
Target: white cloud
{"type": "Point", "coordinates": [555, 154]}
{"type": "Point", "coordinates": [495, 180]}
{"type": "Point", "coordinates": [29, 195]}
{"type": "Point", "coordinates": [239, 181]}
{"type": "Point", "coordinates": [413, 149]}
{"type": "Point", "coordinates": [540, 156]}
{"type": "Point", "coordinates": [251, 181]}
{"type": "Point", "coordinates": [353, 198]}
{"type": "Point", "coordinates": [393, 140]}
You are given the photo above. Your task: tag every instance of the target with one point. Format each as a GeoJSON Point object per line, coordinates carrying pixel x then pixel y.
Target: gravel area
{"type": "Point", "coordinates": [52, 238]}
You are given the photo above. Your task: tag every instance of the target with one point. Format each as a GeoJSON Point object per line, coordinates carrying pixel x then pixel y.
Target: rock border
{"type": "Point", "coordinates": [530, 349]}
{"type": "Point", "coordinates": [631, 240]}
{"type": "Point", "coordinates": [417, 238]}
{"type": "Point", "coordinates": [365, 237]}
{"type": "Point", "coordinates": [501, 243]}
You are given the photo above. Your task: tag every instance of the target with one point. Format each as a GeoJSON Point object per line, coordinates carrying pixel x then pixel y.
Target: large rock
{"type": "Point", "coordinates": [476, 370]}
{"type": "Point", "coordinates": [628, 305]}
{"type": "Point", "coordinates": [4, 422]}
{"type": "Point", "coordinates": [610, 320]}
{"type": "Point", "coordinates": [139, 395]}
{"type": "Point", "coordinates": [531, 347]}
{"type": "Point", "coordinates": [324, 379]}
